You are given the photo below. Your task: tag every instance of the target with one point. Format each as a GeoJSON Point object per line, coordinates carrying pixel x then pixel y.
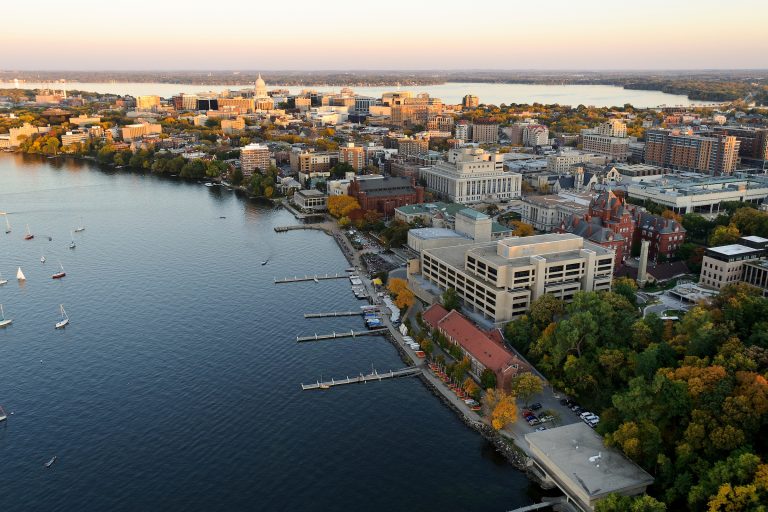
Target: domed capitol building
{"type": "Point", "coordinates": [262, 100]}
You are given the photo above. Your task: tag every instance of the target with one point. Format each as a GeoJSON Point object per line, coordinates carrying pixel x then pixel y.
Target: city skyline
{"type": "Point", "coordinates": [399, 36]}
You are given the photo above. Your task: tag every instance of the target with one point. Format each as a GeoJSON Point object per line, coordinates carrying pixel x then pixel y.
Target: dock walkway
{"type": "Point", "coordinates": [360, 379]}
{"type": "Point", "coordinates": [296, 279]}
{"type": "Point", "coordinates": [337, 335]}
{"type": "Point", "coordinates": [334, 314]}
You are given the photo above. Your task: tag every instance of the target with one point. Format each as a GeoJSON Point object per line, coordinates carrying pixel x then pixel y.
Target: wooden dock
{"type": "Point", "coordinates": [296, 279]}
{"type": "Point", "coordinates": [337, 335]}
{"type": "Point", "coordinates": [334, 314]}
{"type": "Point", "coordinates": [361, 379]}
{"type": "Point", "coordinates": [284, 229]}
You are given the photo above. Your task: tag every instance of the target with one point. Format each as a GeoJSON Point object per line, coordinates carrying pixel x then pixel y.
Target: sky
{"type": "Point", "coordinates": [391, 34]}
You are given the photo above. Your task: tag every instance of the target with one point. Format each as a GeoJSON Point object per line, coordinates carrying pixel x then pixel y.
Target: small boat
{"type": "Point", "coordinates": [2, 281]}
{"type": "Point", "coordinates": [80, 228]}
{"type": "Point", "coordinates": [42, 257]}
{"type": "Point", "coordinates": [60, 273]}
{"type": "Point", "coordinates": [7, 225]}
{"type": "Point", "coordinates": [265, 261]}
{"type": "Point", "coordinates": [64, 318]}
{"type": "Point", "coordinates": [50, 462]}
{"type": "Point", "coordinates": [3, 416]}
{"type": "Point", "coordinates": [3, 321]}
{"type": "Point", "coordinates": [72, 243]}
{"type": "Point", "coordinates": [222, 217]}
{"type": "Point", "coordinates": [28, 236]}
{"type": "Point", "coordinates": [324, 386]}
{"type": "Point", "coordinates": [316, 280]}
{"type": "Point", "coordinates": [209, 184]}
{"type": "Point", "coordinates": [20, 275]}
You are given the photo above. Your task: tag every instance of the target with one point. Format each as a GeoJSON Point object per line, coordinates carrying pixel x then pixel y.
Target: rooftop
{"type": "Point", "coordinates": [472, 214]}
{"type": "Point", "coordinates": [578, 452]}
{"type": "Point", "coordinates": [310, 193]}
{"type": "Point", "coordinates": [733, 250]}
{"type": "Point", "coordinates": [434, 233]}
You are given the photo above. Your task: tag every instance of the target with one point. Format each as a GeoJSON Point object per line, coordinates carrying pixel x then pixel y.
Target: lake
{"type": "Point", "coordinates": [177, 384]}
{"type": "Point", "coordinates": [451, 93]}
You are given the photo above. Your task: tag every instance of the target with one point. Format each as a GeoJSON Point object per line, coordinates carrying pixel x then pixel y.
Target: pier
{"type": "Point", "coordinates": [337, 335]}
{"type": "Point", "coordinates": [283, 229]}
{"type": "Point", "coordinates": [334, 314]}
{"type": "Point", "coordinates": [361, 379]}
{"type": "Point", "coordinates": [296, 279]}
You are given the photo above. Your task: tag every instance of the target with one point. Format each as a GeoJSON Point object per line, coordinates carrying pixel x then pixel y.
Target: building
{"type": "Point", "coordinates": [410, 111]}
{"type": "Point", "coordinates": [692, 193]}
{"type": "Point", "coordinates": [485, 131]}
{"type": "Point", "coordinates": [470, 101]}
{"type": "Point", "coordinates": [734, 263]}
{"type": "Point", "coordinates": [482, 350]}
{"type": "Point", "coordinates": [546, 213]}
{"type": "Point", "coordinates": [499, 280]}
{"type": "Point", "coordinates": [385, 194]}
{"type": "Point", "coordinates": [638, 172]}
{"type": "Point", "coordinates": [84, 120]}
{"type": "Point", "coordinates": [232, 126]}
{"type": "Point", "coordinates": [563, 160]}
{"type": "Point", "coordinates": [409, 146]}
{"type": "Point", "coordinates": [472, 175]}
{"type": "Point", "coordinates": [665, 235]}
{"type": "Point", "coordinates": [151, 103]}
{"type": "Point", "coordinates": [682, 150]}
{"type": "Point", "coordinates": [352, 155]}
{"type": "Point", "coordinates": [312, 164]}
{"type": "Point", "coordinates": [254, 157]}
{"type": "Point", "coordinates": [753, 142]}
{"type": "Point", "coordinates": [534, 135]}
{"type": "Point", "coordinates": [311, 200]}
{"type": "Point", "coordinates": [18, 135]}
{"type": "Point", "coordinates": [74, 137]}
{"type": "Point", "coordinates": [615, 147]}
{"type": "Point", "coordinates": [574, 458]}
{"type": "Point", "coordinates": [462, 130]}
{"type": "Point", "coordinates": [260, 88]}
{"type": "Point", "coordinates": [136, 131]}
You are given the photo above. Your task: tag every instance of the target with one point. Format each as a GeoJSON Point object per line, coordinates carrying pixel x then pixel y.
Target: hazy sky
{"type": "Point", "coordinates": [391, 34]}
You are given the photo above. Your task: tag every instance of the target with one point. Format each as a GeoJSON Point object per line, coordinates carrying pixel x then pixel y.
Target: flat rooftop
{"type": "Point", "coordinates": [435, 233]}
{"type": "Point", "coordinates": [569, 449]}
{"type": "Point", "coordinates": [733, 250]}
{"type": "Point", "coordinates": [755, 239]}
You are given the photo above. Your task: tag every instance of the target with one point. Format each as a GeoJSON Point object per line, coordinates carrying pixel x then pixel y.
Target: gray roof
{"type": "Point", "coordinates": [391, 185]}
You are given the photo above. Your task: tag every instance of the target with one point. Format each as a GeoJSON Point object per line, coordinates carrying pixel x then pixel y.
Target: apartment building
{"type": "Point", "coordinates": [311, 164]}
{"type": "Point", "coordinates": [714, 154]}
{"type": "Point", "coordinates": [353, 155]}
{"type": "Point", "coordinates": [472, 175]}
{"type": "Point", "coordinates": [485, 131]}
{"type": "Point", "coordinates": [254, 157]}
{"type": "Point", "coordinates": [753, 142]}
{"type": "Point", "coordinates": [462, 130]}
{"type": "Point", "coordinates": [470, 101]}
{"type": "Point", "coordinates": [535, 135]}
{"type": "Point", "coordinates": [500, 279]}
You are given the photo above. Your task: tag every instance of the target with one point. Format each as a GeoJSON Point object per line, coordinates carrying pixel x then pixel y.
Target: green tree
{"type": "Point", "coordinates": [619, 503]}
{"type": "Point", "coordinates": [724, 235]}
{"type": "Point", "coordinates": [450, 299]}
{"type": "Point", "coordinates": [488, 379]}
{"type": "Point", "coordinates": [341, 169]}
{"type": "Point", "coordinates": [526, 385]}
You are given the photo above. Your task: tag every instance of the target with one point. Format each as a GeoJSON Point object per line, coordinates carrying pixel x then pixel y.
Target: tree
{"type": "Point", "coordinates": [505, 411]}
{"type": "Point", "coordinates": [237, 177]}
{"type": "Point", "coordinates": [526, 385]}
{"type": "Point", "coordinates": [342, 206]}
{"type": "Point", "coordinates": [488, 379]}
{"type": "Point", "coordinates": [521, 228]}
{"type": "Point", "coordinates": [404, 297]}
{"type": "Point", "coordinates": [618, 503]}
{"type": "Point", "coordinates": [724, 235]}
{"type": "Point", "coordinates": [545, 310]}
{"type": "Point", "coordinates": [627, 288]}
{"type": "Point", "coordinates": [341, 169]}
{"type": "Point", "coordinates": [450, 299]}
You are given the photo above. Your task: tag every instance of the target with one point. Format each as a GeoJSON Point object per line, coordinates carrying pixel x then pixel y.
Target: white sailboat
{"type": "Point", "coordinates": [64, 318]}
{"type": "Point", "coordinates": [3, 321]}
{"type": "Point", "coordinates": [20, 275]}
{"type": "Point", "coordinates": [72, 243]}
{"type": "Point", "coordinates": [42, 256]}
{"type": "Point", "coordinates": [7, 224]}
{"type": "Point", "coordinates": [80, 227]}
{"type": "Point", "coordinates": [2, 281]}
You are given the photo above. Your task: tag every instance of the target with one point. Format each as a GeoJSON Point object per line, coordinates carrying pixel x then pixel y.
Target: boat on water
{"type": "Point", "coordinates": [3, 416]}
{"type": "Point", "coordinates": [265, 261]}
{"type": "Point", "coordinates": [3, 321]}
{"type": "Point", "coordinates": [50, 462]}
{"type": "Point", "coordinates": [29, 235]}
{"type": "Point", "coordinates": [7, 225]}
{"type": "Point", "coordinates": [42, 257]}
{"type": "Point", "coordinates": [72, 243]}
{"type": "Point", "coordinates": [3, 281]}
{"type": "Point", "coordinates": [64, 318]}
{"type": "Point", "coordinates": [317, 280]}
{"type": "Point", "coordinates": [20, 275]}
{"type": "Point", "coordinates": [81, 227]}
{"type": "Point", "coordinates": [60, 273]}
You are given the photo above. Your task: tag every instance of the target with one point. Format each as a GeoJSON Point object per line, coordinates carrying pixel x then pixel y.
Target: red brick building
{"type": "Point", "coordinates": [484, 350]}
{"type": "Point", "coordinates": [385, 194]}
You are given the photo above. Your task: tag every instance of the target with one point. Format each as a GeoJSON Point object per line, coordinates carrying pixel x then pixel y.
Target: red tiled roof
{"type": "Point", "coordinates": [476, 342]}
{"type": "Point", "coordinates": [434, 314]}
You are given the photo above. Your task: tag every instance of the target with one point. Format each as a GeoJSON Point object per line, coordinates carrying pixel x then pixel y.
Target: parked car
{"type": "Point", "coordinates": [541, 428]}
{"type": "Point", "coordinates": [536, 406]}
{"type": "Point", "coordinates": [566, 402]}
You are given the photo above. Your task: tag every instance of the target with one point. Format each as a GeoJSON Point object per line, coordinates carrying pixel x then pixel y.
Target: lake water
{"type": "Point", "coordinates": [597, 95]}
{"type": "Point", "coordinates": [177, 384]}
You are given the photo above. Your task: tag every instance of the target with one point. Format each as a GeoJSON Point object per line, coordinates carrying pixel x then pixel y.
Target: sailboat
{"type": "Point", "coordinates": [80, 228]}
{"type": "Point", "coordinates": [20, 275]}
{"type": "Point", "coordinates": [28, 236]}
{"type": "Point", "coordinates": [2, 281]}
{"type": "Point", "coordinates": [72, 243]}
{"type": "Point", "coordinates": [3, 416]}
{"type": "Point", "coordinates": [7, 225]}
{"type": "Point", "coordinates": [59, 274]}
{"type": "Point", "coordinates": [64, 318]}
{"type": "Point", "coordinates": [3, 321]}
{"type": "Point", "coordinates": [42, 257]}
{"type": "Point", "coordinates": [50, 462]}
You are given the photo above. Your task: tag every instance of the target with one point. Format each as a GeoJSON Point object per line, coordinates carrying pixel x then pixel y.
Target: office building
{"type": "Point", "coordinates": [136, 131]}
{"type": "Point", "coordinates": [415, 111]}
{"type": "Point", "coordinates": [734, 263]}
{"type": "Point", "coordinates": [232, 126]}
{"type": "Point", "coordinates": [254, 157]}
{"type": "Point", "coordinates": [472, 175]}
{"type": "Point", "coordinates": [564, 160]}
{"type": "Point", "coordinates": [682, 150]}
{"type": "Point", "coordinates": [363, 105]}
{"type": "Point", "coordinates": [500, 279]}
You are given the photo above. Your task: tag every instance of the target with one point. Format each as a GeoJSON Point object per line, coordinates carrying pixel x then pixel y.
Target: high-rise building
{"type": "Point", "coordinates": [147, 102]}
{"type": "Point", "coordinates": [753, 142]}
{"type": "Point", "coordinates": [485, 131]}
{"type": "Point", "coordinates": [415, 111]}
{"type": "Point", "coordinates": [610, 139]}
{"type": "Point", "coordinates": [535, 135]}
{"type": "Point", "coordinates": [470, 101]}
{"type": "Point", "coordinates": [714, 154]}
{"type": "Point", "coordinates": [353, 155]}
{"type": "Point", "coordinates": [254, 157]}
{"type": "Point", "coordinates": [462, 131]}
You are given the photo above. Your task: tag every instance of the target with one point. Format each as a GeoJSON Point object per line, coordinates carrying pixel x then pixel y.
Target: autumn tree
{"type": "Point", "coordinates": [724, 235]}
{"type": "Point", "coordinates": [342, 206]}
{"type": "Point", "coordinates": [521, 228]}
{"type": "Point", "coordinates": [404, 297]}
{"type": "Point", "coordinates": [526, 385]}
{"type": "Point", "coordinates": [504, 412]}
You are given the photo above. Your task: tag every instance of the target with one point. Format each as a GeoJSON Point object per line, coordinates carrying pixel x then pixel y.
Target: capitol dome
{"type": "Point", "coordinates": [261, 88]}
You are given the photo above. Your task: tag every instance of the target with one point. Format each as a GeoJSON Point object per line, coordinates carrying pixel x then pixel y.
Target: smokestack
{"type": "Point", "coordinates": [642, 277]}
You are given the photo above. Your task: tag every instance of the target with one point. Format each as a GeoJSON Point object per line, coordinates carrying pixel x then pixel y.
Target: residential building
{"type": "Point", "coordinates": [734, 263]}
{"type": "Point", "coordinates": [534, 135]}
{"type": "Point", "coordinates": [352, 155]}
{"type": "Point", "coordinates": [753, 142]}
{"type": "Point", "coordinates": [485, 350]}
{"type": "Point", "coordinates": [546, 213]}
{"type": "Point", "coordinates": [485, 131]}
{"type": "Point", "coordinates": [682, 150]}
{"type": "Point", "coordinates": [615, 148]}
{"type": "Point", "coordinates": [408, 146]}
{"type": "Point", "coordinates": [470, 101]}
{"type": "Point", "coordinates": [311, 164]}
{"type": "Point", "coordinates": [562, 161]}
{"type": "Point", "coordinates": [499, 279]}
{"type": "Point", "coordinates": [150, 102]}
{"type": "Point", "coordinates": [575, 459]}
{"type": "Point", "coordinates": [386, 193]}
{"type": "Point", "coordinates": [136, 131]}
{"type": "Point", "coordinates": [472, 175]}
{"type": "Point", "coordinates": [311, 200]}
{"type": "Point", "coordinates": [232, 126]}
{"type": "Point", "coordinates": [254, 157]}
{"type": "Point", "coordinates": [462, 130]}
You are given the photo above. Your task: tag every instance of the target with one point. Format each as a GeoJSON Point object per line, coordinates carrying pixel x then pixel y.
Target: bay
{"type": "Point", "coordinates": [177, 383]}
{"type": "Point", "coordinates": [451, 92]}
